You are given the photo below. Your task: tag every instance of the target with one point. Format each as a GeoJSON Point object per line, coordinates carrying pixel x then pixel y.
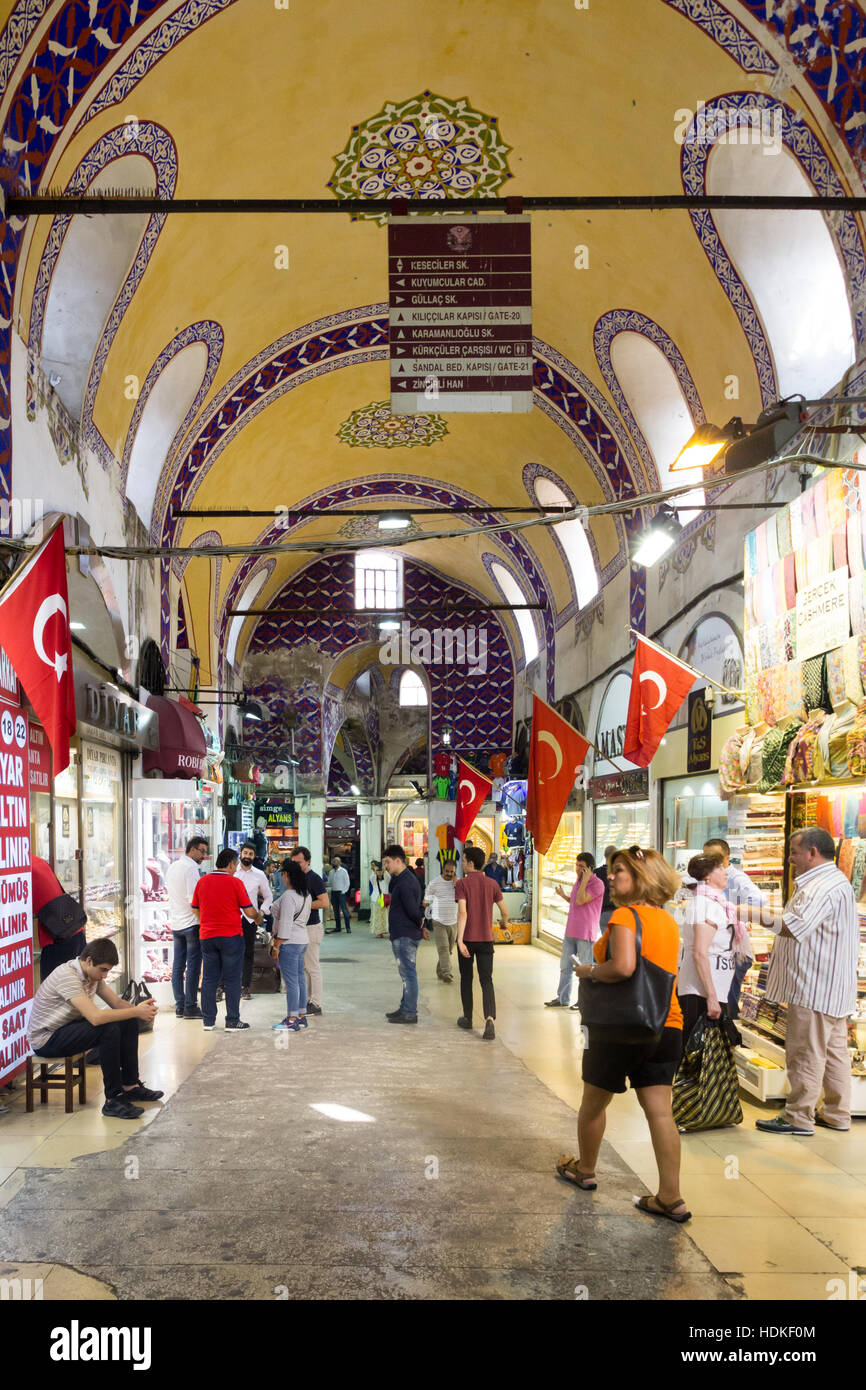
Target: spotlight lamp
{"type": "Point", "coordinates": [253, 710]}
{"type": "Point", "coordinates": [657, 539]}
{"type": "Point", "coordinates": [445, 737]}
{"type": "Point", "coordinates": [705, 445]}
{"type": "Point", "coordinates": [741, 447]}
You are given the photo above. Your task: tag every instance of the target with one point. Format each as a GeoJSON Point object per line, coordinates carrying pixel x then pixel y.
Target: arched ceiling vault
{"type": "Point", "coordinates": [258, 100]}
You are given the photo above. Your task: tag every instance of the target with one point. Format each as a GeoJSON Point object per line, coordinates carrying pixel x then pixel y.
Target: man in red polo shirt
{"type": "Point", "coordinates": [53, 950]}
{"type": "Point", "coordinates": [218, 897]}
{"type": "Point", "coordinates": [475, 895]}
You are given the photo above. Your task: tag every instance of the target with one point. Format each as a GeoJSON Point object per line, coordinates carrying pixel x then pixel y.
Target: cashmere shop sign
{"type": "Point", "coordinates": [823, 617]}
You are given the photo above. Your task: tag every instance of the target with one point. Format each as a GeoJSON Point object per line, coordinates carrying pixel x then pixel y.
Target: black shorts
{"type": "Point", "coordinates": [608, 1065]}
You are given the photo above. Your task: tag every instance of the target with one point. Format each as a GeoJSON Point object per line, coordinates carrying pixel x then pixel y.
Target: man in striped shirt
{"type": "Point", "coordinates": [813, 969]}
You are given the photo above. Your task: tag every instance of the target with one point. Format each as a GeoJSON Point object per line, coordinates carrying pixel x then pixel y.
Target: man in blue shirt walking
{"type": "Point", "coordinates": [405, 928]}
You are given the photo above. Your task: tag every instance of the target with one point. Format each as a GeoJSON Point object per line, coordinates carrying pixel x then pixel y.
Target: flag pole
{"type": "Point", "coordinates": [28, 556]}
{"type": "Point", "coordinates": [701, 675]}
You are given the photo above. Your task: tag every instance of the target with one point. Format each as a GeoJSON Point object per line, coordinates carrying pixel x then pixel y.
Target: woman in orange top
{"type": "Point", "coordinates": [639, 879]}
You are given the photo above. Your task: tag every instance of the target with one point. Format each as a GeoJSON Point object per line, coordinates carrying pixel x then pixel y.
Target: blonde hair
{"type": "Point", "coordinates": [655, 882]}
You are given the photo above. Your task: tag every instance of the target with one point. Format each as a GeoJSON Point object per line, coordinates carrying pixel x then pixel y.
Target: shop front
{"type": "Point", "coordinates": [88, 826]}
{"type": "Point", "coordinates": [276, 817]}
{"type": "Point", "coordinates": [556, 871]}
{"type": "Point", "coordinates": [171, 802]}
{"type": "Point", "coordinates": [798, 761]}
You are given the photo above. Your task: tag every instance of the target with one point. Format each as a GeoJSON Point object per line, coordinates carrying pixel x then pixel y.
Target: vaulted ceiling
{"type": "Point", "coordinates": [242, 360]}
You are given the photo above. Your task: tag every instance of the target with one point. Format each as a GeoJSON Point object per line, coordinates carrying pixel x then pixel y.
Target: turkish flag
{"type": "Point", "coordinates": [472, 789]}
{"type": "Point", "coordinates": [659, 684]}
{"type": "Point", "coordinates": [556, 754]}
{"type": "Point", "coordinates": [34, 633]}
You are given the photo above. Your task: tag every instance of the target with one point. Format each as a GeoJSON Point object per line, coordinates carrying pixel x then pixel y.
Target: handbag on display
{"type": "Point", "coordinates": [138, 993]}
{"type": "Point", "coordinates": [62, 917]}
{"type": "Point", "coordinates": [706, 1093]}
{"type": "Point", "coordinates": [632, 1010]}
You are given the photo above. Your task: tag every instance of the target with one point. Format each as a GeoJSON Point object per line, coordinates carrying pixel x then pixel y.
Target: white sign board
{"type": "Point", "coordinates": [823, 618]}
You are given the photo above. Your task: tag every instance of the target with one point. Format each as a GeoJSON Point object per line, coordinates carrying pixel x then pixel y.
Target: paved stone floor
{"type": "Point", "coordinates": [434, 1181]}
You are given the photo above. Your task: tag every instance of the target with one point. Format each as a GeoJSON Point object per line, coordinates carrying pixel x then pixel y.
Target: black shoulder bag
{"type": "Point", "coordinates": [62, 917]}
{"type": "Point", "coordinates": [632, 1010]}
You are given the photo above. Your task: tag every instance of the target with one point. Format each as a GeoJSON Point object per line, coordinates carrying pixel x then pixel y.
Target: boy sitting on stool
{"type": "Point", "coordinates": [65, 1019]}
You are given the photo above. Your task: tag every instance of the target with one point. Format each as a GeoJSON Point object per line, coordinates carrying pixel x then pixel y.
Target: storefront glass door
{"type": "Point", "coordinates": [102, 805]}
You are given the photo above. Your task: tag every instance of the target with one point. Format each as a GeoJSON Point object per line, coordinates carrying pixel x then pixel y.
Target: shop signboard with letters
{"type": "Point", "coordinates": [823, 616]}
{"type": "Point", "coordinates": [699, 736]}
{"type": "Point", "coordinates": [16, 889]}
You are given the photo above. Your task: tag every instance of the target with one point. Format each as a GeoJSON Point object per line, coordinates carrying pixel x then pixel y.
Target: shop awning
{"type": "Point", "coordinates": [182, 748]}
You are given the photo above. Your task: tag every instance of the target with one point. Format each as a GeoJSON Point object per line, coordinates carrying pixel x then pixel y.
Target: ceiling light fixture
{"type": "Point", "coordinates": [356, 791]}
{"type": "Point", "coordinates": [77, 627]}
{"type": "Point", "coordinates": [388, 624]}
{"type": "Point", "coordinates": [657, 539]}
{"type": "Point", "coordinates": [253, 710]}
{"type": "Point", "coordinates": [742, 446]}
{"type": "Point", "coordinates": [394, 521]}
{"type": "Point", "coordinates": [705, 445]}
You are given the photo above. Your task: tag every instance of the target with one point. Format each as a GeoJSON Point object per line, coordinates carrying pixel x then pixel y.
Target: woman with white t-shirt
{"type": "Point", "coordinates": [290, 940]}
{"type": "Point", "coordinates": [712, 939]}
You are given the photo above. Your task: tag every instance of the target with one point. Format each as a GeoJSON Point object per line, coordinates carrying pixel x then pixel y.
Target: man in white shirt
{"type": "Point", "coordinates": [338, 887]}
{"type": "Point", "coordinates": [180, 880]}
{"type": "Point", "coordinates": [439, 894]}
{"type": "Point", "coordinates": [261, 896]}
{"type": "Point", "coordinates": [813, 969]}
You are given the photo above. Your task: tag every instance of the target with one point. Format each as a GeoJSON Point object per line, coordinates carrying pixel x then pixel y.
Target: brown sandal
{"type": "Point", "coordinates": [567, 1168]}
{"type": "Point", "coordinates": [664, 1209]}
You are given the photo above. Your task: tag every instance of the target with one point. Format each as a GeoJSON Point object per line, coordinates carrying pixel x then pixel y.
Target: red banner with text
{"type": "Point", "coordinates": [16, 889]}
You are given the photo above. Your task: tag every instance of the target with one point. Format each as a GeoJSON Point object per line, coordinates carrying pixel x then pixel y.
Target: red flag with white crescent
{"type": "Point", "coordinates": [556, 754]}
{"type": "Point", "coordinates": [473, 788]}
{"type": "Point", "coordinates": [659, 684]}
{"type": "Point", "coordinates": [34, 633]}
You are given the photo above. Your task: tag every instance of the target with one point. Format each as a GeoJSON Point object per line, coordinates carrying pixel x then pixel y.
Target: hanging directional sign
{"type": "Point", "coordinates": [460, 299]}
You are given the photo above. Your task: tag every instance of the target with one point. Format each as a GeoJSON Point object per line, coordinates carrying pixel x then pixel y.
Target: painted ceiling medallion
{"type": "Point", "coordinates": [426, 147]}
{"type": "Point", "coordinates": [374, 427]}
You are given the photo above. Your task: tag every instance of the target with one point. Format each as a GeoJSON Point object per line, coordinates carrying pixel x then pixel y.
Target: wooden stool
{"type": "Point", "coordinates": [48, 1081]}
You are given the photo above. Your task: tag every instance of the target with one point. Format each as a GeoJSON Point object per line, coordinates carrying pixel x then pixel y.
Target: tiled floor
{"type": "Point", "coordinates": [778, 1217]}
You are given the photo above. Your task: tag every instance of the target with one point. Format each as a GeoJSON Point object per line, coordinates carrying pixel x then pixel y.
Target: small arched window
{"type": "Point", "coordinates": [512, 593]}
{"type": "Point", "coordinates": [573, 539]}
{"type": "Point", "coordinates": [412, 689]}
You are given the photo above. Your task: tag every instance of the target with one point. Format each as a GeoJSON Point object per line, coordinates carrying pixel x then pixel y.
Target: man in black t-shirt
{"type": "Point", "coordinates": [318, 891]}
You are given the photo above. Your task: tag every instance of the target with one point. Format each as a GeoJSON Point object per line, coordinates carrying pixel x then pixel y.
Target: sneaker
{"type": "Point", "coordinates": [464, 1023]}
{"type": "Point", "coordinates": [314, 1009]}
{"type": "Point", "coordinates": [193, 1013]}
{"type": "Point", "coordinates": [301, 1021]}
{"type": "Point", "coordinates": [489, 1030]}
{"type": "Point", "coordinates": [396, 1014]}
{"type": "Point", "coordinates": [142, 1093]}
{"type": "Point", "coordinates": [553, 1004]}
{"type": "Point", "coordinates": [447, 979]}
{"type": "Point", "coordinates": [781, 1126]}
{"type": "Point", "coordinates": [403, 1018]}
{"type": "Point", "coordinates": [236, 1027]}
{"type": "Point", "coordinates": [117, 1109]}
{"type": "Point", "coordinates": [178, 1012]}
{"type": "Point", "coordinates": [209, 1027]}
{"type": "Point", "coordinates": [840, 1129]}
{"type": "Point", "coordinates": [283, 1024]}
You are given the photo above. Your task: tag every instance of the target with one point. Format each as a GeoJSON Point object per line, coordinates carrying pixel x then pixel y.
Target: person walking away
{"type": "Point", "coordinates": [291, 914]}
{"type": "Point", "coordinates": [65, 1019]}
{"type": "Point", "coordinates": [220, 897]}
{"type": "Point", "coordinates": [742, 893]}
{"type": "Point", "coordinates": [315, 929]}
{"type": "Point", "coordinates": [338, 884]}
{"type": "Point", "coordinates": [378, 889]}
{"type": "Point", "coordinates": [640, 880]}
{"type": "Point", "coordinates": [420, 873]}
{"type": "Point", "coordinates": [713, 940]}
{"type": "Point", "coordinates": [53, 950]}
{"type": "Point", "coordinates": [581, 927]}
{"type": "Point", "coordinates": [476, 894]}
{"type": "Point", "coordinates": [180, 881]}
{"type": "Point", "coordinates": [813, 969]}
{"type": "Point", "coordinates": [405, 928]}
{"type": "Point", "coordinates": [443, 914]}
{"type": "Point", "coordinates": [255, 881]}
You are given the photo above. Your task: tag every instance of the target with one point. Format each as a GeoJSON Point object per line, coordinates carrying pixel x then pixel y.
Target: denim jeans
{"type": "Point", "coordinates": [405, 950]}
{"type": "Point", "coordinates": [118, 1049]}
{"type": "Point", "coordinates": [341, 910]}
{"type": "Point", "coordinates": [222, 956]}
{"type": "Point", "coordinates": [187, 960]}
{"type": "Point", "coordinates": [571, 947]}
{"type": "Point", "coordinates": [736, 985]}
{"type": "Point", "coordinates": [294, 979]}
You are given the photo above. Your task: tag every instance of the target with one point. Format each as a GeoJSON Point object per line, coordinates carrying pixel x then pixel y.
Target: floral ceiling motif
{"type": "Point", "coordinates": [426, 147]}
{"type": "Point", "coordinates": [374, 427]}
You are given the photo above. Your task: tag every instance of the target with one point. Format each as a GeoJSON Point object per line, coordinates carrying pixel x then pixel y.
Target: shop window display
{"type": "Point", "coordinates": [556, 870]}
{"type": "Point", "coordinates": [162, 830]}
{"type": "Point", "coordinates": [622, 824]}
{"type": "Point", "coordinates": [103, 805]}
{"type": "Point", "coordinates": [693, 814]}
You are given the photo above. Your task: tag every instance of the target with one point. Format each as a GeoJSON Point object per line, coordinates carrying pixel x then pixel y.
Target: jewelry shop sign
{"type": "Point", "coordinates": [823, 617]}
